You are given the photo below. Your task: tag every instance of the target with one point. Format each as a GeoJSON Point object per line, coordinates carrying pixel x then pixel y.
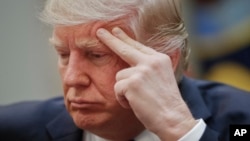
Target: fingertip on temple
{"type": "Point", "coordinates": [101, 32]}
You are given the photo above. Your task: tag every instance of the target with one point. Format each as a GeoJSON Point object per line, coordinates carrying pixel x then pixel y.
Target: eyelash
{"type": "Point", "coordinates": [64, 55]}
{"type": "Point", "coordinates": [99, 58]}
{"type": "Point", "coordinates": [64, 58]}
{"type": "Point", "coordinates": [92, 55]}
{"type": "Point", "coordinates": [95, 55]}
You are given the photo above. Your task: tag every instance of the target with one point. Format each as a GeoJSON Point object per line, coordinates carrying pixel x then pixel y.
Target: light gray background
{"type": "Point", "coordinates": [27, 62]}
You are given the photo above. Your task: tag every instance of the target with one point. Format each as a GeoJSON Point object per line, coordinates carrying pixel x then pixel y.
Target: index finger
{"type": "Point", "coordinates": [127, 52]}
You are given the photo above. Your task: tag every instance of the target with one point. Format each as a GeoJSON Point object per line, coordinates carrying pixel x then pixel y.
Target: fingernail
{"type": "Point", "coordinates": [101, 32]}
{"type": "Point", "coordinates": [116, 30]}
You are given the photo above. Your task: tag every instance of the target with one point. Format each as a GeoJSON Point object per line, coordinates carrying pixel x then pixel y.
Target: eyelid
{"type": "Point", "coordinates": [91, 52]}
{"type": "Point", "coordinates": [99, 58]}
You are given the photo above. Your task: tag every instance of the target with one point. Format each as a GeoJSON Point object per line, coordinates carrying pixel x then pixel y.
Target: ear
{"type": "Point", "coordinates": [175, 58]}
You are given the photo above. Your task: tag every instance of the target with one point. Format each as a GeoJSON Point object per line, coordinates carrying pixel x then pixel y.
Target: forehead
{"type": "Point", "coordinates": [85, 30]}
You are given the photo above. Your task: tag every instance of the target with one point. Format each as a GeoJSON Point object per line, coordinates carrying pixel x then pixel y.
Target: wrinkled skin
{"type": "Point", "coordinates": [115, 86]}
{"type": "Point", "coordinates": [149, 86]}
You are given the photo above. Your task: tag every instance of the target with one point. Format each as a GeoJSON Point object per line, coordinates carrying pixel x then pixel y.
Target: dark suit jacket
{"type": "Point", "coordinates": [219, 105]}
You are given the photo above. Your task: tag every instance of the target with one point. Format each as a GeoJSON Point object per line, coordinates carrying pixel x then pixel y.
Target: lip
{"type": "Point", "coordinates": [82, 104]}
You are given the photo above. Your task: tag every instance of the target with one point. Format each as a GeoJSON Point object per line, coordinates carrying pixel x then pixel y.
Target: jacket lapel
{"type": "Point", "coordinates": [193, 98]}
{"type": "Point", "coordinates": [62, 128]}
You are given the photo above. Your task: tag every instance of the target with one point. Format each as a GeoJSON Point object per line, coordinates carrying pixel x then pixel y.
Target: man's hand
{"type": "Point", "coordinates": [149, 86]}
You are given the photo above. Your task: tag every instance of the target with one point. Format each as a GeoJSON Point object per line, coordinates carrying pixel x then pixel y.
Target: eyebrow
{"type": "Point", "coordinates": [56, 42]}
{"type": "Point", "coordinates": [87, 43]}
{"type": "Point", "coordinates": [82, 43]}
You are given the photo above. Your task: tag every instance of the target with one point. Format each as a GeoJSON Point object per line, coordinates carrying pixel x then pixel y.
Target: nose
{"type": "Point", "coordinates": [76, 72]}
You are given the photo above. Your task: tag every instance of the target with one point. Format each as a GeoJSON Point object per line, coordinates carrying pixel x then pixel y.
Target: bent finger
{"type": "Point", "coordinates": [125, 73]}
{"type": "Point", "coordinates": [120, 91]}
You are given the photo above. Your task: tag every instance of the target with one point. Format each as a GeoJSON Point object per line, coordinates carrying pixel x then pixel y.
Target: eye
{"type": "Point", "coordinates": [96, 55]}
{"type": "Point", "coordinates": [64, 55]}
{"type": "Point", "coordinates": [99, 58]}
{"type": "Point", "coordinates": [63, 58]}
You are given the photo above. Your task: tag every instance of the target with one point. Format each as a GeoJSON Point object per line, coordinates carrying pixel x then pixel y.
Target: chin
{"type": "Point", "coordinates": [90, 121]}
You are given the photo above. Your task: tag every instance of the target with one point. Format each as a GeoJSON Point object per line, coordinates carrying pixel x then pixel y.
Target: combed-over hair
{"type": "Point", "coordinates": [155, 23]}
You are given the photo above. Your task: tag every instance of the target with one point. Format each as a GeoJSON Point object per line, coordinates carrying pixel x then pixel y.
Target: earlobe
{"type": "Point", "coordinates": [175, 58]}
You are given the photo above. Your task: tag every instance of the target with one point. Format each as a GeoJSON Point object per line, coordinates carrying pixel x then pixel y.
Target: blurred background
{"type": "Point", "coordinates": [219, 35]}
{"type": "Point", "coordinates": [220, 39]}
{"type": "Point", "coordinates": [27, 61]}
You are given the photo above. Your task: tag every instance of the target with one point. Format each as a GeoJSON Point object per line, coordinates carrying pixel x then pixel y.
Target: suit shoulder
{"type": "Point", "coordinates": [220, 90]}
{"type": "Point", "coordinates": [29, 114]}
{"type": "Point", "coordinates": [226, 100]}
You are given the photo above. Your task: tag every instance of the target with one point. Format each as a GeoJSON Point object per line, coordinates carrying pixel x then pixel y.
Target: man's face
{"type": "Point", "coordinates": [88, 68]}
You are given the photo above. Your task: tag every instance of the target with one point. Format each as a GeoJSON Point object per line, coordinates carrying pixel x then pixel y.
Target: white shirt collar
{"type": "Point", "coordinates": [144, 136]}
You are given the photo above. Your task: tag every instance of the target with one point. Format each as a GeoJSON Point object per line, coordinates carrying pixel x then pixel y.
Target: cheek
{"type": "Point", "coordinates": [62, 73]}
{"type": "Point", "coordinates": [105, 81]}
{"type": "Point", "coordinates": [61, 69]}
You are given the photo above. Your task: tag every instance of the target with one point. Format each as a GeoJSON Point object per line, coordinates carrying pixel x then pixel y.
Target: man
{"type": "Point", "coordinates": [121, 65]}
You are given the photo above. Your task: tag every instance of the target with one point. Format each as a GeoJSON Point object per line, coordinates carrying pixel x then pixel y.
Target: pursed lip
{"type": "Point", "coordinates": [81, 103]}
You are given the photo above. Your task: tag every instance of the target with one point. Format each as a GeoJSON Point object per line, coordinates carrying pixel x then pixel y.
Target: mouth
{"type": "Point", "coordinates": [78, 103]}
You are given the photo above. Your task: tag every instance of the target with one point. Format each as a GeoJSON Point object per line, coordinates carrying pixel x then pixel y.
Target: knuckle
{"type": "Point", "coordinates": [118, 76]}
{"type": "Point", "coordinates": [135, 81]}
{"type": "Point", "coordinates": [144, 70]}
{"type": "Point", "coordinates": [155, 63]}
{"type": "Point", "coordinates": [119, 89]}
{"type": "Point", "coordinates": [123, 51]}
{"type": "Point", "coordinates": [165, 58]}
{"type": "Point", "coordinates": [159, 61]}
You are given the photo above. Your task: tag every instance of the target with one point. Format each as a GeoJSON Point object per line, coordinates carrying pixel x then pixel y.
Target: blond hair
{"type": "Point", "coordinates": [155, 23]}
